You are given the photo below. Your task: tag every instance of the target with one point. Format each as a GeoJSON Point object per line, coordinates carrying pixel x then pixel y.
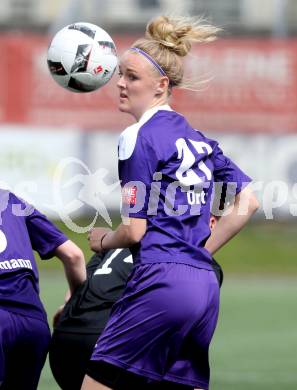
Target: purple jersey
{"type": "Point", "coordinates": [22, 230]}
{"type": "Point", "coordinates": [167, 171]}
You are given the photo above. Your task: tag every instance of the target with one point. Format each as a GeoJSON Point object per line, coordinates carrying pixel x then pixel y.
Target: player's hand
{"type": "Point", "coordinates": [96, 236]}
{"type": "Point", "coordinates": [57, 315]}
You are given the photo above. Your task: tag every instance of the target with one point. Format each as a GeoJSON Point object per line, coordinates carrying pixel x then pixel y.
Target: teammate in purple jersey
{"type": "Point", "coordinates": [79, 323]}
{"type": "Point", "coordinates": [159, 332]}
{"type": "Point", "coordinates": [24, 331]}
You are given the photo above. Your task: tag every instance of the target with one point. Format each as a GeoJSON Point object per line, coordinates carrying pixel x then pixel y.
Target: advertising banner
{"type": "Point", "coordinates": [244, 85]}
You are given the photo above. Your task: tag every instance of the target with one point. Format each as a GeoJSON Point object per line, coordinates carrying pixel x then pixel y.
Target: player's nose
{"type": "Point", "coordinates": [121, 82]}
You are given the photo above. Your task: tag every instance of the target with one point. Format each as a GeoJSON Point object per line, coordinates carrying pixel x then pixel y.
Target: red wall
{"type": "Point", "coordinates": [252, 87]}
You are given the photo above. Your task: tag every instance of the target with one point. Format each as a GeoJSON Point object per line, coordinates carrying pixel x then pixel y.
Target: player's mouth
{"type": "Point", "coordinates": [123, 96]}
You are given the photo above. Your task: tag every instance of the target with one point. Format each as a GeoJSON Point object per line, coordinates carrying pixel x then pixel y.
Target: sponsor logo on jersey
{"type": "Point", "coordinates": [15, 263]}
{"type": "Point", "coordinates": [129, 195]}
{"type": "Point", "coordinates": [12, 263]}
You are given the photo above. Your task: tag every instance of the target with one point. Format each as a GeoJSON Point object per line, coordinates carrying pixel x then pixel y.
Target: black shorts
{"type": "Point", "coordinates": [118, 379]}
{"type": "Point", "coordinates": [69, 356]}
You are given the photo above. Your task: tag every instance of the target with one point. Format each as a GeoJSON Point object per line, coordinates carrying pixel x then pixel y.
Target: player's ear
{"type": "Point", "coordinates": [212, 222]}
{"type": "Point", "coordinates": [162, 87]}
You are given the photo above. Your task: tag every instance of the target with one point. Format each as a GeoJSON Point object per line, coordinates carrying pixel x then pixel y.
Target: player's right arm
{"type": "Point", "coordinates": [128, 233]}
{"type": "Point", "coordinates": [137, 164]}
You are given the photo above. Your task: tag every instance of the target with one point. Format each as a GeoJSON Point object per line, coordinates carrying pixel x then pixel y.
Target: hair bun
{"type": "Point", "coordinates": [178, 34]}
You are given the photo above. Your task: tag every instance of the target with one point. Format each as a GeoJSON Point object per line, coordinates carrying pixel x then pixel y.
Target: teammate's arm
{"type": "Point", "coordinates": [74, 263]}
{"type": "Point", "coordinates": [245, 205]}
{"type": "Point", "coordinates": [128, 233]}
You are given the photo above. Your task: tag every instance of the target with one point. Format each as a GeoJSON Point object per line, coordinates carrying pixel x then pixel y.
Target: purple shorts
{"type": "Point", "coordinates": [24, 343]}
{"type": "Point", "coordinates": [162, 326]}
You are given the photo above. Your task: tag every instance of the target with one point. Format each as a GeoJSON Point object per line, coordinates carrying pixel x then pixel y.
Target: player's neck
{"type": "Point", "coordinates": [155, 103]}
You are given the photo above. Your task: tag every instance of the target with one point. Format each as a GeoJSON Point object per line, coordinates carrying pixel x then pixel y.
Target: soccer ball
{"type": "Point", "coordinates": [82, 57]}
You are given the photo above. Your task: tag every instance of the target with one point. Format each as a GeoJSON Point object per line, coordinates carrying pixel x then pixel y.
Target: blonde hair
{"type": "Point", "coordinates": [168, 39]}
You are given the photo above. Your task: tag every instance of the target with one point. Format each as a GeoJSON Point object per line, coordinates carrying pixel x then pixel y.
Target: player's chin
{"type": "Point", "coordinates": [123, 107]}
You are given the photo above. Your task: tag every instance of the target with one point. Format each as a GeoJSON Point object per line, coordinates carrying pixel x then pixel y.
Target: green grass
{"type": "Point", "coordinates": [255, 343]}
{"type": "Point", "coordinates": [265, 248]}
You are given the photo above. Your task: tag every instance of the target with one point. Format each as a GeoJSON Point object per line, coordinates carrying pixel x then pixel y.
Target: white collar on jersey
{"type": "Point", "coordinates": [150, 112]}
{"type": "Point", "coordinates": [128, 137]}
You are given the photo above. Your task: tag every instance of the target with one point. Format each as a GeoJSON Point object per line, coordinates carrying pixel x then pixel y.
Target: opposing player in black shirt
{"type": "Point", "coordinates": [85, 315]}
{"type": "Point", "coordinates": [78, 325]}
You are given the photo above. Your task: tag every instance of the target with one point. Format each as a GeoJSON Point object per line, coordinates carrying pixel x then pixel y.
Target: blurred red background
{"type": "Point", "coordinates": [252, 87]}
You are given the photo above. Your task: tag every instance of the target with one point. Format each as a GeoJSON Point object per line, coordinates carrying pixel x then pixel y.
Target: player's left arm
{"type": "Point", "coordinates": [238, 196]}
{"type": "Point", "coordinates": [128, 233]}
{"type": "Point", "coordinates": [235, 218]}
{"type": "Point", "coordinates": [74, 263]}
{"type": "Point", "coordinates": [49, 241]}
{"type": "Point", "coordinates": [75, 270]}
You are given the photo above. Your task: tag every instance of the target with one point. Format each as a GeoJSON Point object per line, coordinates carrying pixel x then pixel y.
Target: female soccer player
{"type": "Point", "coordinates": [24, 332]}
{"type": "Point", "coordinates": [159, 332]}
{"type": "Point", "coordinates": [79, 323]}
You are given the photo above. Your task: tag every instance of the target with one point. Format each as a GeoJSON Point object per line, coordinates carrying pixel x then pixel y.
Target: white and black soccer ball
{"type": "Point", "coordinates": [82, 57]}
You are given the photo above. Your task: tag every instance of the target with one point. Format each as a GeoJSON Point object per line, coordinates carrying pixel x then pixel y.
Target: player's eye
{"type": "Point", "coordinates": [132, 77]}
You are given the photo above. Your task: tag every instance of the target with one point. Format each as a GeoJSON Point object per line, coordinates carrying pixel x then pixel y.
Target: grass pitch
{"type": "Point", "coordinates": [255, 344]}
